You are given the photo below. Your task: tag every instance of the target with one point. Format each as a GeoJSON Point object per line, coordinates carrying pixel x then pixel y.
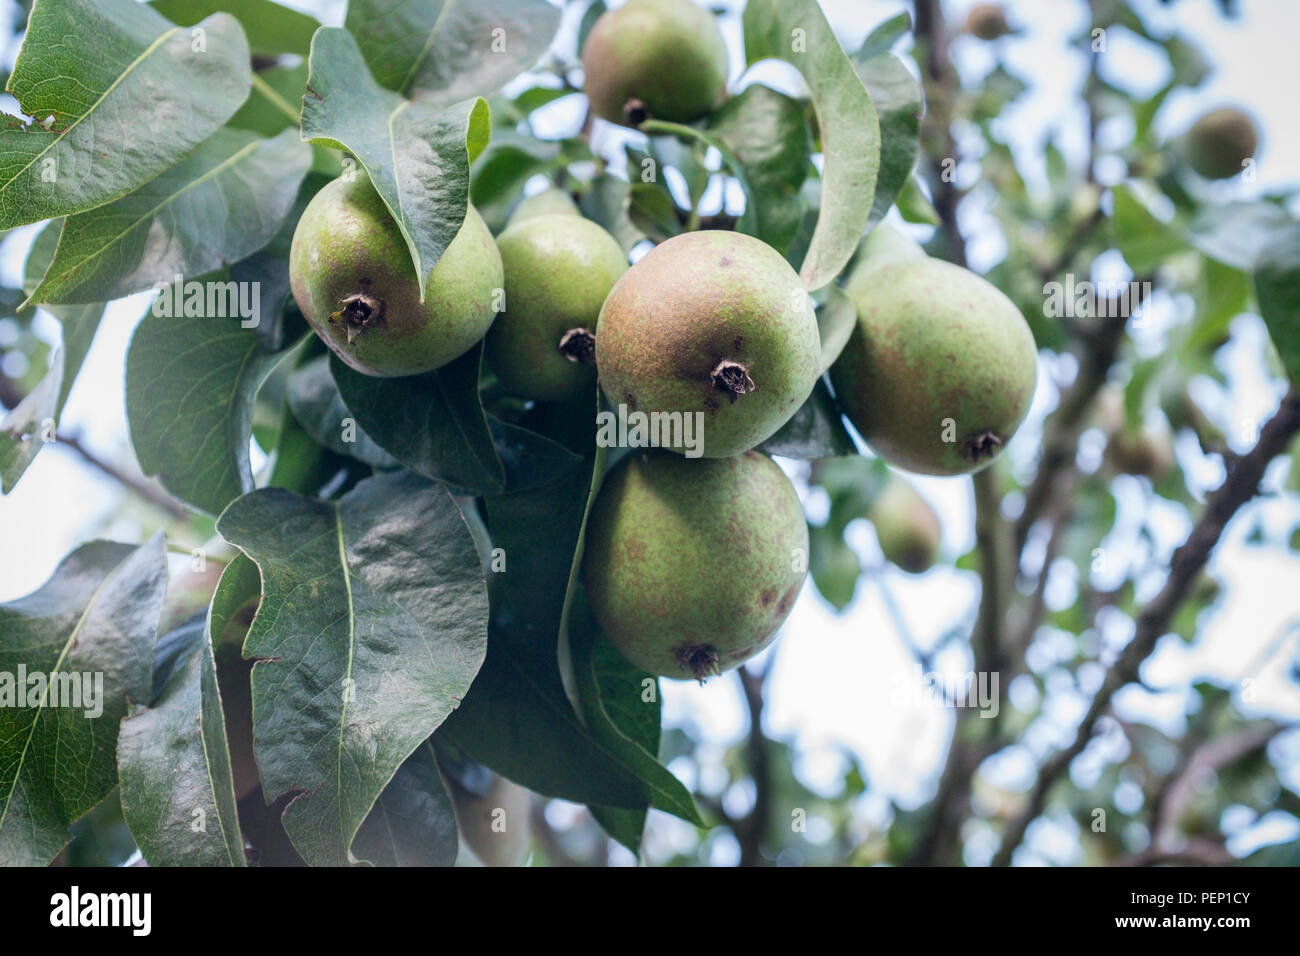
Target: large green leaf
{"type": "Point", "coordinates": [173, 764]}
{"type": "Point", "coordinates": [517, 718]}
{"type": "Point", "coordinates": [91, 626]}
{"type": "Point", "coordinates": [190, 385]}
{"type": "Point", "coordinates": [221, 203]}
{"type": "Point", "coordinates": [272, 28]}
{"type": "Point", "coordinates": [412, 822]}
{"type": "Point", "coordinates": [764, 142]}
{"type": "Point", "coordinates": [372, 625]}
{"type": "Point", "coordinates": [314, 399]}
{"type": "Point", "coordinates": [1277, 287]}
{"type": "Point", "coordinates": [433, 423]}
{"type": "Point", "coordinates": [896, 95]}
{"type": "Point", "coordinates": [796, 31]}
{"type": "Point", "coordinates": [418, 157]}
{"type": "Point", "coordinates": [129, 94]}
{"type": "Point", "coordinates": [447, 50]}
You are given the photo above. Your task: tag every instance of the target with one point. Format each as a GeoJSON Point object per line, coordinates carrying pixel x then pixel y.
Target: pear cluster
{"type": "Point", "coordinates": [695, 550]}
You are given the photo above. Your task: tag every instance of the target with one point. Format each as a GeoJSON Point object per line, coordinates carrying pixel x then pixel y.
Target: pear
{"type": "Point", "coordinates": [940, 369]}
{"type": "Point", "coordinates": [691, 565]}
{"type": "Point", "coordinates": [559, 269]}
{"type": "Point", "coordinates": [352, 277]}
{"type": "Point", "coordinates": [714, 324]}
{"type": "Point", "coordinates": [664, 59]}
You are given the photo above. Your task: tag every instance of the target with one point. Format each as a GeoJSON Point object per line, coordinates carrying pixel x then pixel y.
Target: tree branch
{"type": "Point", "coordinates": [144, 490]}
{"type": "Point", "coordinates": [1244, 474]}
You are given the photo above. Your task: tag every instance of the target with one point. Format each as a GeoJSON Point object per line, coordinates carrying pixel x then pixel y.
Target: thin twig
{"type": "Point", "coordinates": [141, 489]}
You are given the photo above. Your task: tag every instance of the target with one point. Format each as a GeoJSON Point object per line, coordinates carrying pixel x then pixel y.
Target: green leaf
{"type": "Point", "coordinates": [221, 203]}
{"type": "Point", "coordinates": [622, 710]}
{"type": "Point", "coordinates": [606, 203]}
{"type": "Point", "coordinates": [834, 566]}
{"type": "Point", "coordinates": [433, 423]}
{"type": "Point", "coordinates": [1142, 239]}
{"type": "Point", "coordinates": [120, 82]}
{"type": "Point", "coordinates": [92, 625]}
{"type": "Point", "coordinates": [517, 718]}
{"type": "Point", "coordinates": [314, 399]}
{"type": "Point", "coordinates": [913, 205]}
{"type": "Point", "coordinates": [764, 142]}
{"type": "Point", "coordinates": [836, 320]}
{"type": "Point", "coordinates": [417, 156]}
{"type": "Point", "coordinates": [79, 322]}
{"type": "Point", "coordinates": [1238, 233]}
{"type": "Point", "coordinates": [446, 50]}
{"type": "Point", "coordinates": [373, 623]}
{"type": "Point", "coordinates": [764, 139]}
{"type": "Point", "coordinates": [173, 764]}
{"type": "Point", "coordinates": [275, 103]}
{"type": "Point", "coordinates": [796, 31]}
{"type": "Point", "coordinates": [272, 28]}
{"type": "Point", "coordinates": [24, 430]}
{"type": "Point", "coordinates": [815, 431]}
{"type": "Point", "coordinates": [268, 267]}
{"type": "Point", "coordinates": [190, 385]}
{"type": "Point", "coordinates": [1277, 287]}
{"type": "Point", "coordinates": [413, 822]}
{"type": "Point", "coordinates": [29, 426]}
{"type": "Point", "coordinates": [896, 96]}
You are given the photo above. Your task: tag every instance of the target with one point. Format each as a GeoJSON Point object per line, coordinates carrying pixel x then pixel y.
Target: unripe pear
{"type": "Point", "coordinates": [1220, 141]}
{"type": "Point", "coordinates": [1144, 450]}
{"type": "Point", "coordinates": [988, 21]}
{"type": "Point", "coordinates": [664, 59]}
{"type": "Point", "coordinates": [558, 271]}
{"type": "Point", "coordinates": [940, 369]}
{"type": "Point", "coordinates": [352, 278]}
{"type": "Point", "coordinates": [906, 526]}
{"type": "Point", "coordinates": [691, 565]}
{"type": "Point", "coordinates": [715, 323]}
{"type": "Point", "coordinates": [548, 202]}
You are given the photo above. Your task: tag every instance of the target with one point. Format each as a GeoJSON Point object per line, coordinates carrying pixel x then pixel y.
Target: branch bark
{"type": "Point", "coordinates": [1244, 474]}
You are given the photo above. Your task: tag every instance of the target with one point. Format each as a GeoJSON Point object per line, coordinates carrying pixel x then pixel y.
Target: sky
{"type": "Point", "coordinates": [839, 681]}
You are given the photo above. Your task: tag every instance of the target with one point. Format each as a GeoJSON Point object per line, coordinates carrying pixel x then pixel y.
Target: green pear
{"type": "Point", "coordinates": [352, 277]}
{"type": "Point", "coordinates": [661, 59]}
{"type": "Point", "coordinates": [711, 323]}
{"type": "Point", "coordinates": [691, 565]}
{"type": "Point", "coordinates": [558, 271]}
{"type": "Point", "coordinates": [940, 369]}
{"type": "Point", "coordinates": [548, 202]}
{"type": "Point", "coordinates": [1220, 142]}
{"type": "Point", "coordinates": [906, 526]}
